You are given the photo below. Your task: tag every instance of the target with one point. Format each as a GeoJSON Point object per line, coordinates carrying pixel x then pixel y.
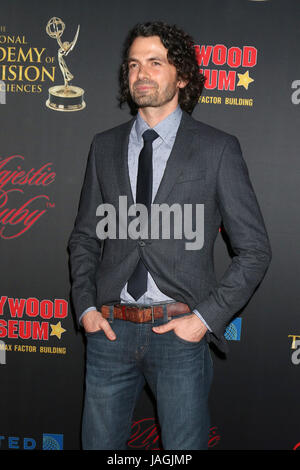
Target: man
{"type": "Point", "coordinates": [150, 306]}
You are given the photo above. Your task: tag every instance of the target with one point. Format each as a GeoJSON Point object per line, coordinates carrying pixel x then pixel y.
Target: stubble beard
{"type": "Point", "coordinates": [154, 99]}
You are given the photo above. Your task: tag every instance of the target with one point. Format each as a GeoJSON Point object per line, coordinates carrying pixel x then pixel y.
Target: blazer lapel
{"type": "Point", "coordinates": [121, 162]}
{"type": "Point", "coordinates": [178, 159]}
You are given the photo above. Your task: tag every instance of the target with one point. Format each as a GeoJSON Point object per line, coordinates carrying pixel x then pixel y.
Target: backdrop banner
{"type": "Point", "coordinates": [248, 50]}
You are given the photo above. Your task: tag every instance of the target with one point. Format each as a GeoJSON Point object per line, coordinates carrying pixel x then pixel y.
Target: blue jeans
{"type": "Point", "coordinates": [179, 373]}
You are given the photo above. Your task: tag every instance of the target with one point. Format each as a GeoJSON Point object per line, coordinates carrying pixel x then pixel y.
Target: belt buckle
{"type": "Point", "coordinates": [152, 313]}
{"type": "Point", "coordinates": [144, 307]}
{"type": "Point", "coordinates": [125, 312]}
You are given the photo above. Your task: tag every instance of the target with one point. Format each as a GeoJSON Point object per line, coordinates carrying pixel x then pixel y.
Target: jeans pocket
{"type": "Point", "coordinates": [185, 341]}
{"type": "Point", "coordinates": [93, 333]}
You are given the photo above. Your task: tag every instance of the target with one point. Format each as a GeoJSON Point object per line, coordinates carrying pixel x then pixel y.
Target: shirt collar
{"type": "Point", "coordinates": [166, 129]}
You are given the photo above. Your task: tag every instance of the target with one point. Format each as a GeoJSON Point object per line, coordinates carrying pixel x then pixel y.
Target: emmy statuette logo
{"type": "Point", "coordinates": [64, 97]}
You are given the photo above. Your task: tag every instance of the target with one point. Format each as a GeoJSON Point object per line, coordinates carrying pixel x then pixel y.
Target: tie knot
{"type": "Point", "coordinates": [150, 135]}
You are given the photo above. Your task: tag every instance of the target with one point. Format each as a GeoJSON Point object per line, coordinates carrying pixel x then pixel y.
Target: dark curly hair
{"type": "Point", "coordinates": [181, 54]}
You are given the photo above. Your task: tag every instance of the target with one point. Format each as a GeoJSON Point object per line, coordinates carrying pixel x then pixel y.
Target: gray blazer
{"type": "Point", "coordinates": [205, 167]}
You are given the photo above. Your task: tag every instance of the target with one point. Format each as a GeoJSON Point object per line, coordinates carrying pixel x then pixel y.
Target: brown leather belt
{"type": "Point", "coordinates": [142, 314]}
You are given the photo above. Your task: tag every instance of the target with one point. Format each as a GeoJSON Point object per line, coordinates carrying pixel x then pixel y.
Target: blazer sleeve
{"type": "Point", "coordinates": [244, 224]}
{"type": "Point", "coordinates": [84, 245]}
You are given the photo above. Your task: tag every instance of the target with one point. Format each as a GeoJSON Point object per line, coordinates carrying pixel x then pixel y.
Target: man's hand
{"type": "Point", "coordinates": [93, 321]}
{"type": "Point", "coordinates": [189, 327]}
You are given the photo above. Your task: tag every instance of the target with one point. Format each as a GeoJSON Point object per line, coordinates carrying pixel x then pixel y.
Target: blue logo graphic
{"type": "Point", "coordinates": [53, 441]}
{"type": "Point", "coordinates": [233, 330]}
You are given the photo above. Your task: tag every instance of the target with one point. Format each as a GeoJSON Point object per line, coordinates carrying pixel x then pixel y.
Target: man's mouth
{"type": "Point", "coordinates": [143, 86]}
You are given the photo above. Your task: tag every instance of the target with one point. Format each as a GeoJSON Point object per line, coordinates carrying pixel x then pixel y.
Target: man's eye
{"type": "Point", "coordinates": [156, 63]}
{"type": "Point", "coordinates": [131, 66]}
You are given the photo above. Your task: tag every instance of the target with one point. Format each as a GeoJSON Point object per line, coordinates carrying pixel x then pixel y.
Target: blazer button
{"type": "Point", "coordinates": [142, 243]}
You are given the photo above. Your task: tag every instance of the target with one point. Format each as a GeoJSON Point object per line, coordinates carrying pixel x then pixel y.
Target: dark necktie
{"type": "Point", "coordinates": [137, 284]}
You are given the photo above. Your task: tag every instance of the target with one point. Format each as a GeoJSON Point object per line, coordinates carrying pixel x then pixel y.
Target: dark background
{"type": "Point", "coordinates": [255, 393]}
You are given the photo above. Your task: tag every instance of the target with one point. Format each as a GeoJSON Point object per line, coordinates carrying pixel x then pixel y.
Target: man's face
{"type": "Point", "coordinates": [153, 80]}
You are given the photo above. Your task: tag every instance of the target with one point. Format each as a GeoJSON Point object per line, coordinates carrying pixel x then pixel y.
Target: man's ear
{"type": "Point", "coordinates": [182, 83]}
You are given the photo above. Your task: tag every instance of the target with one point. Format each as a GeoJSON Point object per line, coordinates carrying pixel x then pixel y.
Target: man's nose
{"type": "Point", "coordinates": [143, 72]}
